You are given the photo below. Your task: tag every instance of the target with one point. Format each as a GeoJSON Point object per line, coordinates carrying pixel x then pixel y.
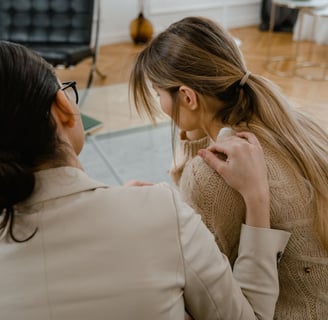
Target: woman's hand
{"type": "Point", "coordinates": [137, 183]}
{"type": "Point", "coordinates": [244, 169]}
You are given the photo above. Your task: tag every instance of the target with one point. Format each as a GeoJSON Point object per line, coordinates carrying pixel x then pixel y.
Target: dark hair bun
{"type": "Point", "coordinates": [16, 180]}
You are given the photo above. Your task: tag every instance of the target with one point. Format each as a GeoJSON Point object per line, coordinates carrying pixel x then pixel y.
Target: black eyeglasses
{"type": "Point", "coordinates": [70, 88]}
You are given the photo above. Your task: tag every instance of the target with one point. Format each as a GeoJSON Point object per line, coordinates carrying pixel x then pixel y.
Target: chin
{"type": "Point", "coordinates": [78, 151]}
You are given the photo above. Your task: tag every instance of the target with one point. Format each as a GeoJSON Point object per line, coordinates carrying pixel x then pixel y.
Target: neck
{"type": "Point", "coordinates": [54, 164]}
{"type": "Point", "coordinates": [70, 160]}
{"type": "Point", "coordinates": [211, 127]}
{"type": "Point", "coordinates": [213, 132]}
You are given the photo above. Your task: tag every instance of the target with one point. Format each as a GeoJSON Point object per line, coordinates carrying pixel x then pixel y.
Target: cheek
{"type": "Point", "coordinates": [166, 106]}
{"type": "Point", "coordinates": [188, 120]}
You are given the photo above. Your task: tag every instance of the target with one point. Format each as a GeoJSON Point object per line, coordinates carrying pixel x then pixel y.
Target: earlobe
{"type": "Point", "coordinates": [188, 98]}
{"type": "Point", "coordinates": [63, 110]}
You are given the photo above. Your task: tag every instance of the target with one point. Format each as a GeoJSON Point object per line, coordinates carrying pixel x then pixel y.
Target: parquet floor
{"type": "Point", "coordinates": [116, 60]}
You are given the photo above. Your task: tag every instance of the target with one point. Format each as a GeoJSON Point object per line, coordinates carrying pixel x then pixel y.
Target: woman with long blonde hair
{"type": "Point", "coordinates": [203, 84]}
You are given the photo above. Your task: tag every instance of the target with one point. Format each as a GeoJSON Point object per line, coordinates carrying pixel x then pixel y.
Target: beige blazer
{"type": "Point", "coordinates": [128, 253]}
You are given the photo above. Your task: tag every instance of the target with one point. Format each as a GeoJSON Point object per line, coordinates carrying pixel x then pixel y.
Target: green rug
{"type": "Point", "coordinates": [90, 124]}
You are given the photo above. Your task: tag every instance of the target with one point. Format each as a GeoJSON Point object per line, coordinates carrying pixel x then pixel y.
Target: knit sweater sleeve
{"type": "Point", "coordinates": [186, 151]}
{"type": "Point", "coordinates": [221, 207]}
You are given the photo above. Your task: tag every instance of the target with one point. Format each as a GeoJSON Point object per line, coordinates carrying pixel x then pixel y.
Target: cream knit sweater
{"type": "Point", "coordinates": [303, 269]}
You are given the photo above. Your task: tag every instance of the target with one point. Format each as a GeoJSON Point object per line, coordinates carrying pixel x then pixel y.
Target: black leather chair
{"type": "Point", "coordinates": [61, 31]}
{"type": "Point", "coordinates": [285, 18]}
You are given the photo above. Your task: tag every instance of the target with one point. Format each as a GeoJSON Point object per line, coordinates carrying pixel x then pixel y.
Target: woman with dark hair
{"type": "Point", "coordinates": [203, 84]}
{"type": "Point", "coordinates": [74, 248]}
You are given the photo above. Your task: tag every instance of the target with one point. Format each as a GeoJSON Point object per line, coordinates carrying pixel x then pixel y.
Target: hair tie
{"type": "Point", "coordinates": [244, 78]}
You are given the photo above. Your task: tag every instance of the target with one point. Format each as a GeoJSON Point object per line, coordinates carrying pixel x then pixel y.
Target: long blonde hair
{"type": "Point", "coordinates": [200, 54]}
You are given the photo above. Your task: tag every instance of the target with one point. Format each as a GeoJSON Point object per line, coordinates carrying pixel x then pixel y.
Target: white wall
{"type": "Point", "coordinates": [116, 16]}
{"type": "Point", "coordinates": [115, 20]}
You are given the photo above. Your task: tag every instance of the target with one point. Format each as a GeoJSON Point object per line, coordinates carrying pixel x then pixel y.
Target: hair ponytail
{"type": "Point", "coordinates": [16, 184]}
{"type": "Point", "coordinates": [299, 138]}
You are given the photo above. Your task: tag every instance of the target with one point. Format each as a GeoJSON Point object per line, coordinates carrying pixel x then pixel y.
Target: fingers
{"type": "Point", "coordinates": [243, 165]}
{"type": "Point", "coordinates": [229, 145]}
{"type": "Point", "coordinates": [137, 183]}
{"type": "Point", "coordinates": [250, 137]}
{"type": "Point", "coordinates": [212, 159]}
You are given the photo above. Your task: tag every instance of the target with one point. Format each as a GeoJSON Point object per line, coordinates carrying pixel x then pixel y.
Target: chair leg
{"type": "Point", "coordinates": [93, 69]}
{"type": "Point", "coordinates": [100, 74]}
{"type": "Point", "coordinates": [86, 90]}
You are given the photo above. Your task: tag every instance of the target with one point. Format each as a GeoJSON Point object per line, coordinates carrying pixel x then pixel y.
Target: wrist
{"type": "Point", "coordinates": [258, 209]}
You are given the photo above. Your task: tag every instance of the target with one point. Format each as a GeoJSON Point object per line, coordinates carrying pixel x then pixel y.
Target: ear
{"type": "Point", "coordinates": [188, 98]}
{"type": "Point", "coordinates": [63, 110]}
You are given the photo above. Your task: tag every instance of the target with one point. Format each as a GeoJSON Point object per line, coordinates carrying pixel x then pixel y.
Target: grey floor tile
{"type": "Point", "coordinates": [142, 153]}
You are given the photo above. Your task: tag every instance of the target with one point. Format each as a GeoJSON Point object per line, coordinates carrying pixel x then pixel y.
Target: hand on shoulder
{"type": "Point", "coordinates": [244, 169]}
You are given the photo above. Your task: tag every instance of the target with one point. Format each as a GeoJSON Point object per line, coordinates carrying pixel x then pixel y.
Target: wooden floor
{"type": "Point", "coordinates": [116, 60]}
